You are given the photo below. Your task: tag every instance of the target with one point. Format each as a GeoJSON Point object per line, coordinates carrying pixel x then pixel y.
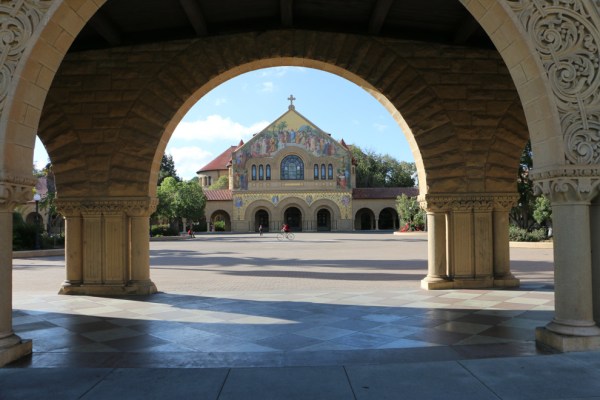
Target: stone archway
{"type": "Point", "coordinates": [364, 220]}
{"type": "Point", "coordinates": [559, 102]}
{"type": "Point", "coordinates": [261, 217]}
{"type": "Point", "coordinates": [323, 220]}
{"type": "Point", "coordinates": [293, 217]}
{"type": "Point", "coordinates": [220, 220]}
{"type": "Point", "coordinates": [388, 219]}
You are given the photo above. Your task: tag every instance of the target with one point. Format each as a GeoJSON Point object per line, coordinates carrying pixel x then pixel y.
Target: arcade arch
{"type": "Point", "coordinates": [220, 216]}
{"type": "Point", "coordinates": [106, 138]}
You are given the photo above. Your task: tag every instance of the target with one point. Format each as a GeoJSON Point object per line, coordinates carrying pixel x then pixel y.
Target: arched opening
{"type": "Point", "coordinates": [220, 221]}
{"type": "Point", "coordinates": [261, 217]}
{"type": "Point", "coordinates": [323, 220]}
{"type": "Point", "coordinates": [388, 219]}
{"type": "Point", "coordinates": [293, 217]}
{"type": "Point", "coordinates": [364, 220]}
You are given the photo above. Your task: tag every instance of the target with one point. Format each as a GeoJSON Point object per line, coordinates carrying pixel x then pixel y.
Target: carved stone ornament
{"type": "Point", "coordinates": [569, 184]}
{"type": "Point", "coordinates": [14, 191]}
{"type": "Point", "coordinates": [477, 202]}
{"type": "Point", "coordinates": [18, 21]}
{"type": "Point", "coordinates": [133, 207]}
{"type": "Point", "coordinates": [566, 36]}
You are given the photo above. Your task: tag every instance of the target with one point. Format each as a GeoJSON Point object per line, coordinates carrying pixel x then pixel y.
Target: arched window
{"type": "Point", "coordinates": [292, 168]}
{"type": "Point", "coordinates": [316, 172]}
{"type": "Point", "coordinates": [268, 172]}
{"type": "Point", "coordinates": [330, 171]}
{"type": "Point", "coordinates": [261, 172]}
{"type": "Point", "coordinates": [323, 176]}
{"type": "Point", "coordinates": [254, 172]}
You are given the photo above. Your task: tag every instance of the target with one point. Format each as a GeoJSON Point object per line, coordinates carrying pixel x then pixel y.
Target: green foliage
{"type": "Point", "coordinates": [543, 210]}
{"type": "Point", "coordinates": [219, 226]}
{"type": "Point", "coordinates": [221, 183]}
{"type": "Point", "coordinates": [522, 214]}
{"type": "Point", "coordinates": [167, 169]}
{"type": "Point", "coordinates": [410, 213]}
{"type": "Point", "coordinates": [180, 200]}
{"type": "Point", "coordinates": [376, 170]}
{"type": "Point", "coordinates": [163, 230]}
{"type": "Point", "coordinates": [517, 234]}
{"type": "Point", "coordinates": [52, 241]}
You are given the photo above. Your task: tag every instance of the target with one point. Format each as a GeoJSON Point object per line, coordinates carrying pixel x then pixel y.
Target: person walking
{"type": "Point", "coordinates": [260, 229]}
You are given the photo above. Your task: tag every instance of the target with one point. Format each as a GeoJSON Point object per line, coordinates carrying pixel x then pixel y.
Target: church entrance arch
{"type": "Point", "coordinates": [388, 219]}
{"type": "Point", "coordinates": [323, 220]}
{"type": "Point", "coordinates": [261, 217]}
{"type": "Point", "coordinates": [293, 217]}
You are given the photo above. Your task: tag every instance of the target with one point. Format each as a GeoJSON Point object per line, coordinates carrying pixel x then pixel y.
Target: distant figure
{"type": "Point", "coordinates": [260, 229]}
{"type": "Point", "coordinates": [191, 233]}
{"type": "Point", "coordinates": [285, 229]}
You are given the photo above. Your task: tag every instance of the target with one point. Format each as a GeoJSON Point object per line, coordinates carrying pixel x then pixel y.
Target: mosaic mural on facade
{"type": "Point", "coordinates": [291, 131]}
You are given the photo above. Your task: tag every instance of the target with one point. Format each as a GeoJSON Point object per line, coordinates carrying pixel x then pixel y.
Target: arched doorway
{"type": "Point", "coordinates": [261, 218]}
{"type": "Point", "coordinates": [364, 220]}
{"type": "Point", "coordinates": [323, 220]}
{"type": "Point", "coordinates": [388, 219]}
{"type": "Point", "coordinates": [293, 217]}
{"type": "Point", "coordinates": [220, 222]}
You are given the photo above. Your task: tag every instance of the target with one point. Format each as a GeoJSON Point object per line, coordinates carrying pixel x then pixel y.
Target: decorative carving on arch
{"type": "Point", "coordinates": [14, 191]}
{"type": "Point", "coordinates": [477, 202]}
{"type": "Point", "coordinates": [568, 184]}
{"type": "Point", "coordinates": [18, 22]}
{"type": "Point", "coordinates": [134, 207]}
{"type": "Point", "coordinates": [566, 37]}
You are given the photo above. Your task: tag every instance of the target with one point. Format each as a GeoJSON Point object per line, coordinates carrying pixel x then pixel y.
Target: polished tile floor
{"type": "Point", "coordinates": [240, 300]}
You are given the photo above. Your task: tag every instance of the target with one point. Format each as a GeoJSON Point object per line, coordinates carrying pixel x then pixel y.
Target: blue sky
{"type": "Point", "coordinates": [246, 104]}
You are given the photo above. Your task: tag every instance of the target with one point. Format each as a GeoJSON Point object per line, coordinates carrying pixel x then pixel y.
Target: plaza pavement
{"type": "Point", "coordinates": [328, 315]}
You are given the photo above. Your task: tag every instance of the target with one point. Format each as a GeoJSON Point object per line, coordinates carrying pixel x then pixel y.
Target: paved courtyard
{"type": "Point", "coordinates": [244, 300]}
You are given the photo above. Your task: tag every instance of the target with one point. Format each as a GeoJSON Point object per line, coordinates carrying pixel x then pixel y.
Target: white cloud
{"type": "Point", "coordinates": [188, 160]}
{"type": "Point", "coordinates": [220, 100]}
{"type": "Point", "coordinates": [380, 127]}
{"type": "Point", "coordinates": [275, 71]}
{"type": "Point", "coordinates": [216, 128]}
{"type": "Point", "coordinates": [267, 87]}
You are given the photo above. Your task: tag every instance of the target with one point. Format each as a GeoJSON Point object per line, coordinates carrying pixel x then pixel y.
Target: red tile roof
{"type": "Point", "coordinates": [219, 163]}
{"type": "Point", "coordinates": [218, 194]}
{"type": "Point", "coordinates": [384, 193]}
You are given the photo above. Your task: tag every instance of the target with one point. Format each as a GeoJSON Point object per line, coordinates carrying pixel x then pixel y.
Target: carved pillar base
{"type": "Point", "coordinates": [565, 343]}
{"type": "Point", "coordinates": [129, 289]}
{"type": "Point", "coordinates": [12, 348]}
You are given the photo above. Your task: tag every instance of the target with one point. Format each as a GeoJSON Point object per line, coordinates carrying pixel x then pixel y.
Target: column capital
{"type": "Point", "coordinates": [15, 190]}
{"type": "Point", "coordinates": [131, 206]}
{"type": "Point", "coordinates": [465, 202]}
{"type": "Point", "coordinates": [568, 184]}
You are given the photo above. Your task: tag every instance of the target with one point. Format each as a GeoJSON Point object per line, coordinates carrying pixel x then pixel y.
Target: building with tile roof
{"type": "Point", "coordinates": [292, 172]}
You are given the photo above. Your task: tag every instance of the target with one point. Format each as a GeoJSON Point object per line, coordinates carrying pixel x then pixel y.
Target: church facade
{"type": "Point", "coordinates": [292, 172]}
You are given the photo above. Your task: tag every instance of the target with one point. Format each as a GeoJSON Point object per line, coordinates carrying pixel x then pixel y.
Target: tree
{"type": "Point", "coordinates": [410, 213]}
{"type": "Point", "coordinates": [167, 168]}
{"type": "Point", "coordinates": [221, 183]}
{"type": "Point", "coordinates": [180, 200]}
{"type": "Point", "coordinates": [522, 214]}
{"type": "Point", "coordinates": [375, 170]}
{"type": "Point", "coordinates": [543, 211]}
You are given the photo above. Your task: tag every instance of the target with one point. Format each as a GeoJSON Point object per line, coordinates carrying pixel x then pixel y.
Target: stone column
{"type": "Point", "coordinates": [108, 246]}
{"type": "Point", "coordinates": [13, 191]}
{"type": "Point", "coordinates": [73, 247]}
{"type": "Point", "coordinates": [573, 327]}
{"type": "Point", "coordinates": [437, 267]}
{"type": "Point", "coordinates": [503, 277]}
{"type": "Point", "coordinates": [463, 238]}
{"type": "Point", "coordinates": [595, 244]}
{"type": "Point", "coordinates": [140, 247]}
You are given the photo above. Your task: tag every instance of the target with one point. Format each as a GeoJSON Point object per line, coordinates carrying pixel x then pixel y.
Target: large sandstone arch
{"type": "Point", "coordinates": [558, 101]}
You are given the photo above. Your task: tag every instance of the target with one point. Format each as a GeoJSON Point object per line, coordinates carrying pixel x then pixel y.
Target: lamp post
{"type": "Point", "coordinates": [37, 198]}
